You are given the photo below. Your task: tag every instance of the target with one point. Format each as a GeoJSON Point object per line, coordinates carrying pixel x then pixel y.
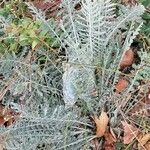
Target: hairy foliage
{"type": "Point", "coordinates": [59, 129]}
{"type": "Point", "coordinates": [93, 40]}
{"type": "Point", "coordinates": [28, 80]}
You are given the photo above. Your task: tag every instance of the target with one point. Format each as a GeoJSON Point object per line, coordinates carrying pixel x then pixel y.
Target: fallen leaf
{"type": "Point", "coordinates": [129, 2]}
{"type": "Point", "coordinates": [144, 141]}
{"type": "Point", "coordinates": [2, 121]}
{"type": "Point", "coordinates": [101, 124]}
{"type": "Point", "coordinates": [147, 146]}
{"type": "Point", "coordinates": [110, 141]}
{"type": "Point", "coordinates": [127, 59]}
{"type": "Point", "coordinates": [8, 116]}
{"type": "Point", "coordinates": [130, 132]}
{"type": "Point", "coordinates": [121, 85]}
{"type": "Point", "coordinates": [45, 6]}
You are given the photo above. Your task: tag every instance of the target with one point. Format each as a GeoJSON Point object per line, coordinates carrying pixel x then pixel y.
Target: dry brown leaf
{"type": "Point", "coordinates": [2, 121]}
{"type": "Point", "coordinates": [121, 85]}
{"type": "Point", "coordinates": [147, 146]}
{"type": "Point", "coordinates": [129, 2]}
{"type": "Point", "coordinates": [101, 124]}
{"type": "Point", "coordinates": [8, 116]}
{"type": "Point", "coordinates": [130, 132]}
{"type": "Point", "coordinates": [127, 59]}
{"type": "Point", "coordinates": [44, 6]}
{"type": "Point", "coordinates": [144, 141]}
{"type": "Point", "coordinates": [110, 141]}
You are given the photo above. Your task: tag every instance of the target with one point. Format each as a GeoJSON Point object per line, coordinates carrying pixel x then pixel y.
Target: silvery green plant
{"type": "Point", "coordinates": [59, 129]}
{"type": "Point", "coordinates": [28, 82]}
{"type": "Point", "coordinates": [92, 38]}
{"type": "Point", "coordinates": [94, 43]}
